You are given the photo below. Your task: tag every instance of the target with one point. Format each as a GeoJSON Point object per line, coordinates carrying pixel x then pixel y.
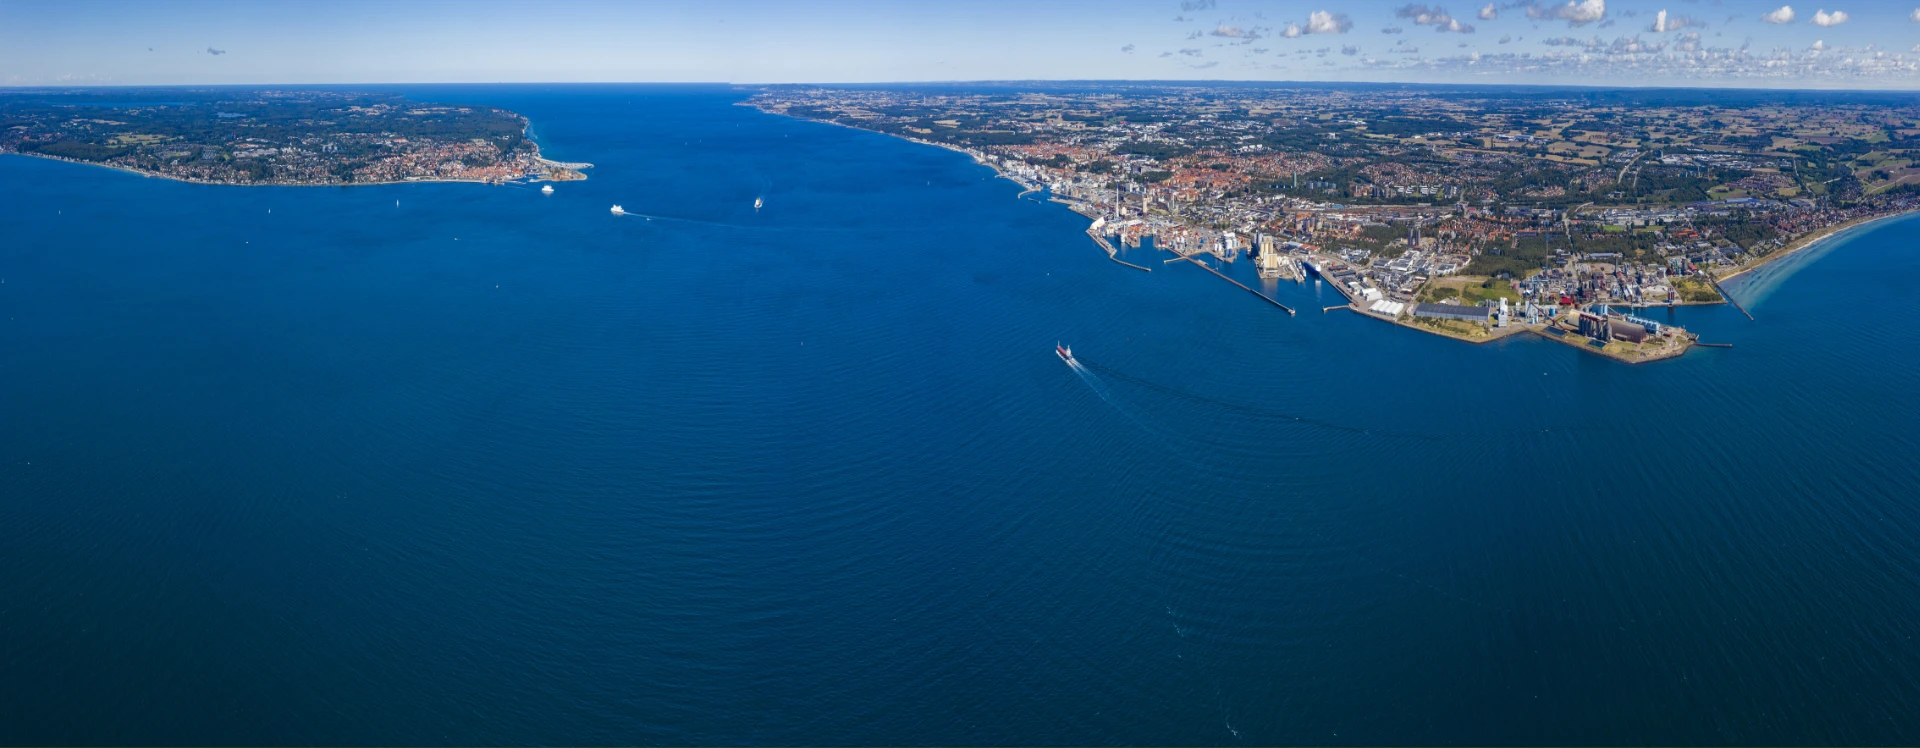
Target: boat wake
{"type": "Point", "coordinates": [761, 228]}
{"type": "Point", "coordinates": [1274, 415]}
{"type": "Point", "coordinates": [1168, 438]}
{"type": "Point", "coordinates": [1209, 462]}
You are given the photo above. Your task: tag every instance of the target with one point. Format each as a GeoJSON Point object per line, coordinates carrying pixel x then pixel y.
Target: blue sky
{"type": "Point", "coordinates": [1850, 44]}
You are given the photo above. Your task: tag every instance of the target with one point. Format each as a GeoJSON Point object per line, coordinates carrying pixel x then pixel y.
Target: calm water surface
{"type": "Point", "coordinates": [456, 464]}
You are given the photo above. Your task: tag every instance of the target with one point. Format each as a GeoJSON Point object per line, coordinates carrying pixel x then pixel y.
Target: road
{"type": "Point", "coordinates": [1566, 219]}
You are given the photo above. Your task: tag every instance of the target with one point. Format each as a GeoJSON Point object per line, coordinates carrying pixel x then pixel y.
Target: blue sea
{"type": "Point", "coordinates": [458, 464]}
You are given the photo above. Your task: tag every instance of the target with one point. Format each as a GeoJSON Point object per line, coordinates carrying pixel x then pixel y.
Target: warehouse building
{"type": "Point", "coordinates": [1452, 311]}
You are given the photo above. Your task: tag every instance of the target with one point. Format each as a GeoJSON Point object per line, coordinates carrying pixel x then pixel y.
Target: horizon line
{"type": "Point", "coordinates": [987, 81]}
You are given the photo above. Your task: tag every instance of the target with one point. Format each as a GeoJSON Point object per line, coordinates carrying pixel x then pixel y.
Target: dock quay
{"type": "Point", "coordinates": [1242, 286]}
{"type": "Point", "coordinates": [1324, 310]}
{"type": "Point", "coordinates": [1341, 288]}
{"type": "Point", "coordinates": [1112, 254]}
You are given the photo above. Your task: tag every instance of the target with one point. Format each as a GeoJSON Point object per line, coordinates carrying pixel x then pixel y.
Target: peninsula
{"type": "Point", "coordinates": [275, 137]}
{"type": "Point", "coordinates": [1470, 212]}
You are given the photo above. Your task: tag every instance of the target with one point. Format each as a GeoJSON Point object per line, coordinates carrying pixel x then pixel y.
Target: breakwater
{"type": "Point", "coordinates": [1729, 297]}
{"type": "Point", "coordinates": [1112, 253]}
{"type": "Point", "coordinates": [1243, 286]}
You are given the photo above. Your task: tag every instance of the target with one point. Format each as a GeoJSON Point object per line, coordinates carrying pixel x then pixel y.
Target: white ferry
{"type": "Point", "coordinates": [546, 190]}
{"type": "Point", "coordinates": [757, 202]}
{"type": "Point", "coordinates": [619, 211]}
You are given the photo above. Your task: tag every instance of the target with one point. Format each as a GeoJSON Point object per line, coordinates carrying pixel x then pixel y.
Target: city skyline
{"type": "Point", "coordinates": [1856, 45]}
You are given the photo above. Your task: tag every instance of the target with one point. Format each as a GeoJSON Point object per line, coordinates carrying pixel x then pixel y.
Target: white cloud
{"type": "Point", "coordinates": [1664, 22]}
{"type": "Point", "coordinates": [1823, 18]}
{"type": "Point", "coordinates": [1230, 32]}
{"type": "Point", "coordinates": [1783, 15]}
{"type": "Point", "coordinates": [1292, 31]}
{"type": "Point", "coordinates": [1914, 16]}
{"type": "Point", "coordinates": [1686, 60]}
{"type": "Point", "coordinates": [1818, 44]}
{"type": "Point", "coordinates": [1322, 22]}
{"type": "Point", "coordinates": [1489, 12]}
{"type": "Point", "coordinates": [1575, 12]}
{"type": "Point", "coordinates": [1436, 17]}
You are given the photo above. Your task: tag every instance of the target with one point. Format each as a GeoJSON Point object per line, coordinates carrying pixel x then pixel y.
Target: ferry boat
{"type": "Point", "coordinates": [757, 202]}
{"type": "Point", "coordinates": [618, 211]}
{"type": "Point", "coordinates": [1065, 353]}
{"type": "Point", "coordinates": [546, 190]}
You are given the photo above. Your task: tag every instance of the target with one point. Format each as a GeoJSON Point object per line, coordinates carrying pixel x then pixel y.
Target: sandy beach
{"type": "Point", "coordinates": [1810, 239]}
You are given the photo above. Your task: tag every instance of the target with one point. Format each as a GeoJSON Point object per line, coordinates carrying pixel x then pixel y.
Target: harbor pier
{"type": "Point", "coordinates": [1243, 286]}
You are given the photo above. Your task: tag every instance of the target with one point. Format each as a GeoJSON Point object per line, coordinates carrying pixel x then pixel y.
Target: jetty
{"type": "Point", "coordinates": [1113, 254]}
{"type": "Point", "coordinates": [1243, 286]}
{"type": "Point", "coordinates": [1729, 297]}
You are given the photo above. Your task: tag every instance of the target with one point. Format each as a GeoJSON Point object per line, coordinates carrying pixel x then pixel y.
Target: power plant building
{"type": "Point", "coordinates": [1595, 326]}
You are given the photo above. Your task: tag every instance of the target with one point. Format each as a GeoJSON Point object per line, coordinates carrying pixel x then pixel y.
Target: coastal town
{"type": "Point", "coordinates": [1467, 214]}
{"type": "Point", "coordinates": [304, 137]}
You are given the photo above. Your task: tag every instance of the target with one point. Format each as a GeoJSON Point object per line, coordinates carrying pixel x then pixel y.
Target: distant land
{"type": "Point", "coordinates": [1470, 212]}
{"type": "Point", "coordinates": [277, 137]}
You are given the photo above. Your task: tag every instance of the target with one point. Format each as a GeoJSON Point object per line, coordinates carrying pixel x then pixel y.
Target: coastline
{"type": "Point", "coordinates": [1809, 239]}
{"type": "Point", "coordinates": [561, 168]}
{"type": "Point", "coordinates": [1494, 334]}
{"type": "Point", "coordinates": [1577, 341]}
{"type": "Point", "coordinates": [948, 146]}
